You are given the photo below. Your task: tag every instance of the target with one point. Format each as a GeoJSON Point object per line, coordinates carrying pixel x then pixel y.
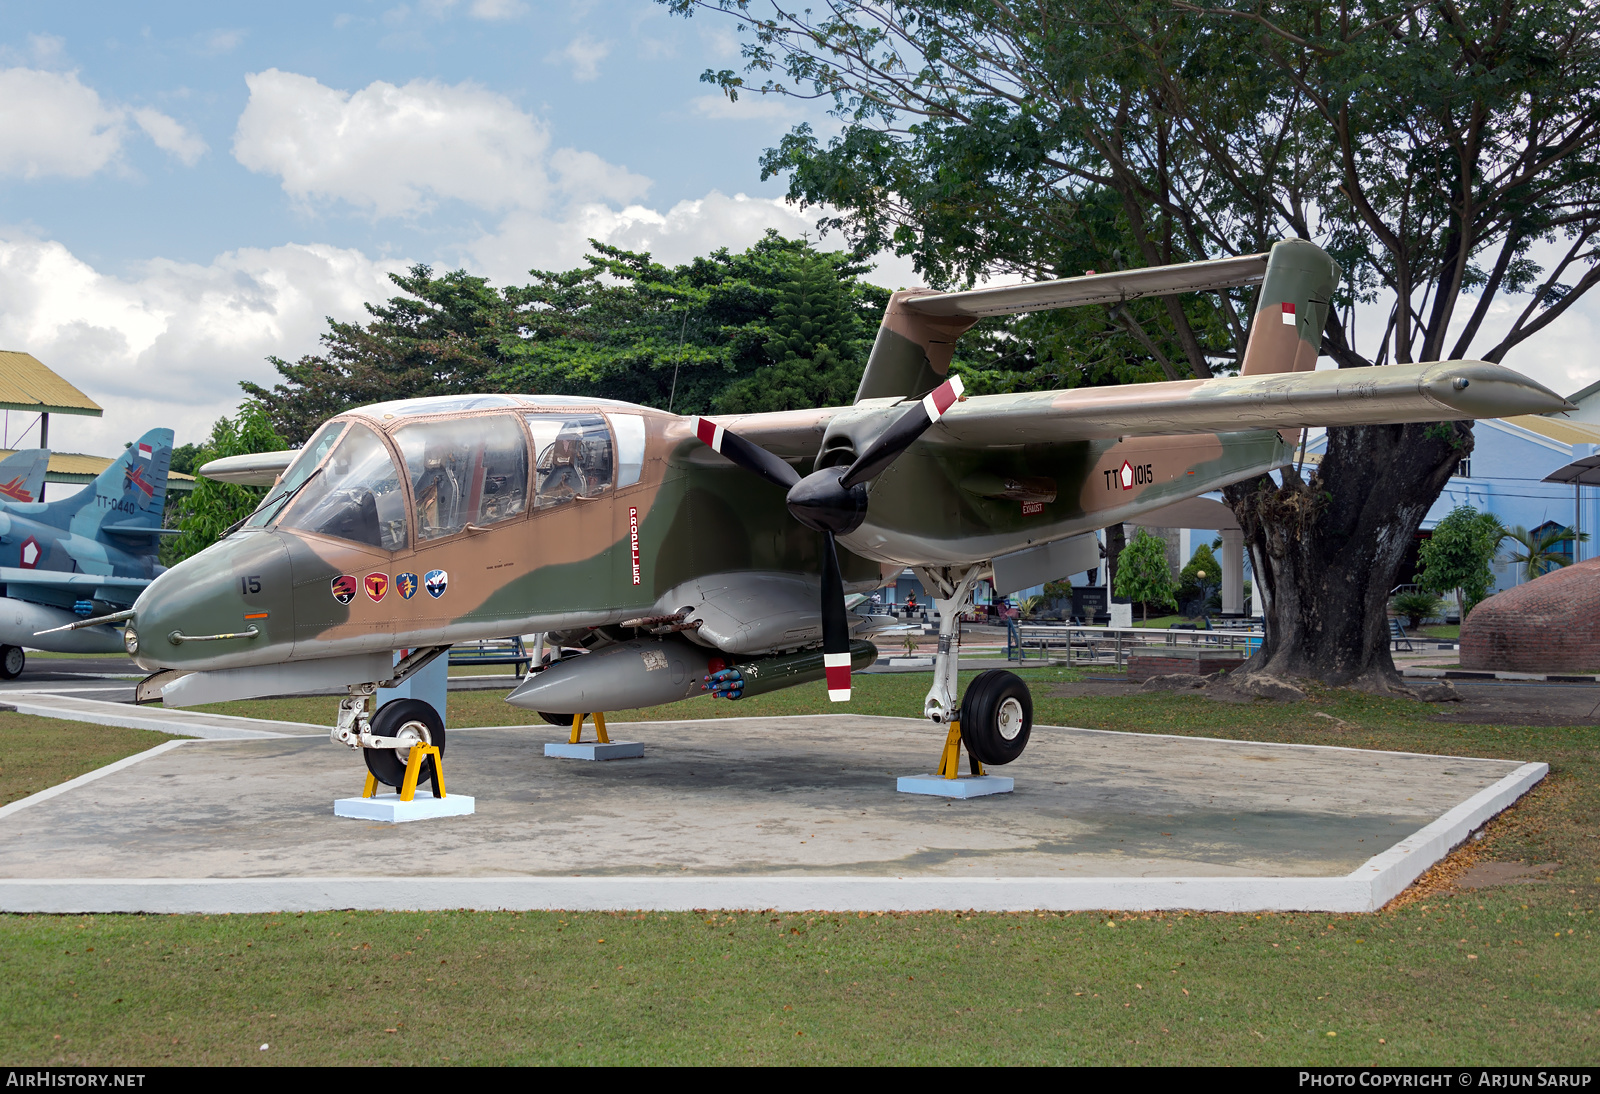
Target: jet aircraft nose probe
{"type": "Point", "coordinates": [833, 501]}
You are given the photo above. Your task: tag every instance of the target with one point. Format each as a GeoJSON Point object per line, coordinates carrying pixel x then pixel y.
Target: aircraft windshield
{"type": "Point", "coordinates": [574, 458]}
{"type": "Point", "coordinates": [305, 463]}
{"type": "Point", "coordinates": [465, 471]}
{"type": "Point", "coordinates": [357, 497]}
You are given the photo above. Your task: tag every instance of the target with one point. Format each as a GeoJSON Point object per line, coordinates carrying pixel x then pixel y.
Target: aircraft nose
{"type": "Point", "coordinates": [228, 606]}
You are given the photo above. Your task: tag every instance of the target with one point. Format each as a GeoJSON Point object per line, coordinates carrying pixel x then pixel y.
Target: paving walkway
{"type": "Point", "coordinates": [755, 812]}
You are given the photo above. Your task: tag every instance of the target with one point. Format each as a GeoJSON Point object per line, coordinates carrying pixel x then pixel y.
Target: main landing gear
{"type": "Point", "coordinates": [12, 659]}
{"type": "Point", "coordinates": [995, 716]}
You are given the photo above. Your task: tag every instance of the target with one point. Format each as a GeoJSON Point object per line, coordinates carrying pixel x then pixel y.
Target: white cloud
{"type": "Point", "coordinates": [584, 54]}
{"type": "Point", "coordinates": [497, 9]}
{"type": "Point", "coordinates": [169, 136]}
{"type": "Point", "coordinates": [51, 124]}
{"type": "Point", "coordinates": [220, 41]}
{"type": "Point", "coordinates": [399, 151]}
{"type": "Point", "coordinates": [750, 107]}
{"type": "Point", "coordinates": [169, 345]}
{"type": "Point", "coordinates": [394, 151]}
{"type": "Point", "coordinates": [527, 240]}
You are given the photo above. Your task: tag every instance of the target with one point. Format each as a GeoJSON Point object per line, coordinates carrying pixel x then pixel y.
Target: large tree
{"type": "Point", "coordinates": [1435, 149]}
{"type": "Point", "coordinates": [777, 326]}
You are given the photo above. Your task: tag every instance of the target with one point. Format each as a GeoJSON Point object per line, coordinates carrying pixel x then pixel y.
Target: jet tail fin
{"type": "Point", "coordinates": [22, 475]}
{"type": "Point", "coordinates": [130, 494]}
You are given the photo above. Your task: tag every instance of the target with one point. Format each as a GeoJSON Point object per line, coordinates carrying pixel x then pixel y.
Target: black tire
{"type": "Point", "coordinates": [415, 716]}
{"type": "Point", "coordinates": [996, 717]}
{"type": "Point", "coordinates": [562, 720]}
{"type": "Point", "coordinates": [12, 660]}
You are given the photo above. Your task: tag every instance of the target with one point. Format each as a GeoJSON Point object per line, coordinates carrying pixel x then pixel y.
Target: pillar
{"type": "Point", "coordinates": [1232, 571]}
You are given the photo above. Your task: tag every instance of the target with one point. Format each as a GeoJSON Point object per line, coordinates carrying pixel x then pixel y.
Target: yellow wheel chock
{"type": "Point", "coordinates": [950, 759]}
{"type": "Point", "coordinates": [599, 728]}
{"type": "Point", "coordinates": [408, 788]}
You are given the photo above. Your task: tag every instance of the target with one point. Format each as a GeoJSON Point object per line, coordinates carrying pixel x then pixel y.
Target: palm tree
{"type": "Point", "coordinates": [1539, 552]}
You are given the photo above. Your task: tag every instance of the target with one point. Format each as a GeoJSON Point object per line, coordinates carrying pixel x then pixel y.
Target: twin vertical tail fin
{"type": "Point", "coordinates": [1291, 309]}
{"type": "Point", "coordinates": [128, 497]}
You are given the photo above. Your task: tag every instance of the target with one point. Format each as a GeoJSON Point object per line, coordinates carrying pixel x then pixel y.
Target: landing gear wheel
{"type": "Point", "coordinates": [408, 719]}
{"type": "Point", "coordinates": [562, 720]}
{"type": "Point", "coordinates": [11, 661]}
{"type": "Point", "coordinates": [996, 717]}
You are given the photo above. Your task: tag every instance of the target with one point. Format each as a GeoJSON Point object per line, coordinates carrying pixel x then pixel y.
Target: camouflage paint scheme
{"type": "Point", "coordinates": [995, 475]}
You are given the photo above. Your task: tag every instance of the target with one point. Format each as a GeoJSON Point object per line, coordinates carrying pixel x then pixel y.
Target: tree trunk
{"type": "Point", "coordinates": [1327, 550]}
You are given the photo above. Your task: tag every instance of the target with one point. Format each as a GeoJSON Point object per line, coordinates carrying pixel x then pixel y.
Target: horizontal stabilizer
{"type": "Point", "coordinates": [1436, 391]}
{"type": "Point", "coordinates": [1106, 288]}
{"type": "Point", "coordinates": [139, 530]}
{"type": "Point", "coordinates": [16, 575]}
{"type": "Point", "coordinates": [251, 469]}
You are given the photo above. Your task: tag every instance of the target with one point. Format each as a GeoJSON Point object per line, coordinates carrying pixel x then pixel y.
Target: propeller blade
{"type": "Point", "coordinates": [905, 430]}
{"type": "Point", "coordinates": [746, 455]}
{"type": "Point", "coordinates": [835, 625]}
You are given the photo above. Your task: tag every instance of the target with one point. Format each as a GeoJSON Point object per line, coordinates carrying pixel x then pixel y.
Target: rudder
{"type": "Point", "coordinates": [1291, 309]}
{"type": "Point", "coordinates": [133, 490]}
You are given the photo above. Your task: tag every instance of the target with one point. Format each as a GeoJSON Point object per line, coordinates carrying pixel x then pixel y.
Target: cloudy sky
{"type": "Point", "coordinates": [187, 188]}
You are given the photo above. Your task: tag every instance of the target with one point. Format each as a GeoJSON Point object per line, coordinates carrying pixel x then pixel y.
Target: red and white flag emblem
{"type": "Point", "coordinates": [1288, 314]}
{"type": "Point", "coordinates": [145, 451]}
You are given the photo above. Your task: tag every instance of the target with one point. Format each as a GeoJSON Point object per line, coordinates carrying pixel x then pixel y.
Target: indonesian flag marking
{"type": "Point", "coordinates": [1288, 314]}
{"type": "Point", "coordinates": [942, 398]}
{"type": "Point", "coordinates": [837, 667]}
{"type": "Point", "coordinates": [145, 452]}
{"type": "Point", "coordinates": [709, 432]}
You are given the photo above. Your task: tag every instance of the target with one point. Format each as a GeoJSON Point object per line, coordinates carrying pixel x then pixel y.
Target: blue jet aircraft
{"type": "Point", "coordinates": [90, 554]}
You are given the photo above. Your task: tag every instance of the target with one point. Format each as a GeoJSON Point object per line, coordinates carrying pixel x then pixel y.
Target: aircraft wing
{"type": "Point", "coordinates": [1106, 288]}
{"type": "Point", "coordinates": [251, 469]}
{"type": "Point", "coordinates": [1436, 391]}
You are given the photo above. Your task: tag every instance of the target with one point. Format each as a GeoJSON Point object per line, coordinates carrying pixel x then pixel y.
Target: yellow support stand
{"type": "Point", "coordinates": [408, 791]}
{"type": "Point", "coordinates": [408, 786]}
{"type": "Point", "coordinates": [599, 728]}
{"type": "Point", "coordinates": [950, 759]}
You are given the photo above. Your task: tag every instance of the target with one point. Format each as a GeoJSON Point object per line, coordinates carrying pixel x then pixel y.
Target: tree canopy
{"type": "Point", "coordinates": [1143, 574]}
{"type": "Point", "coordinates": [1456, 557]}
{"type": "Point", "coordinates": [1434, 150]}
{"type": "Point", "coordinates": [212, 506]}
{"type": "Point", "coordinates": [777, 326]}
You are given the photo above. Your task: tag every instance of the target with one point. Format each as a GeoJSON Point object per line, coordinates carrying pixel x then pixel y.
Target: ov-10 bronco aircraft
{"type": "Point", "coordinates": [687, 553]}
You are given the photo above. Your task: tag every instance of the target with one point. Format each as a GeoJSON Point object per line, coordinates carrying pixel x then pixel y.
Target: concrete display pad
{"type": "Point", "coordinates": [963, 786]}
{"type": "Point", "coordinates": [390, 809]}
{"type": "Point", "coordinates": [791, 813]}
{"type": "Point", "coordinates": [594, 750]}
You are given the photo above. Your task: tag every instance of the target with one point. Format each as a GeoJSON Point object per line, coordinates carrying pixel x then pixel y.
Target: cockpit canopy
{"type": "Point", "coordinates": [453, 474]}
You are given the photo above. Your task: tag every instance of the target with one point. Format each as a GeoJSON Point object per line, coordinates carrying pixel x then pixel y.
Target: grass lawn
{"type": "Point", "coordinates": [38, 753]}
{"type": "Point", "coordinates": [1496, 976]}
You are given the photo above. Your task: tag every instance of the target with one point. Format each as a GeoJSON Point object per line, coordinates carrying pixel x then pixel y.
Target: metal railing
{"type": "Point", "coordinates": [1090, 645]}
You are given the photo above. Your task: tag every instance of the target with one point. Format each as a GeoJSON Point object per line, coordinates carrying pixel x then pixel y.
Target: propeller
{"type": "Point", "coordinates": [833, 501]}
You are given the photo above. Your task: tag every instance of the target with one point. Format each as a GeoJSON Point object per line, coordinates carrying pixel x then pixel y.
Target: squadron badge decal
{"type": "Point", "coordinates": [406, 585]}
{"type": "Point", "coordinates": [344, 588]}
{"type": "Point", "coordinates": [377, 585]}
{"type": "Point", "coordinates": [436, 581]}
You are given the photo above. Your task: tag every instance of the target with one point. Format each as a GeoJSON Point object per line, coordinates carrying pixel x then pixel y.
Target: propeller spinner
{"type": "Point", "coordinates": [833, 501]}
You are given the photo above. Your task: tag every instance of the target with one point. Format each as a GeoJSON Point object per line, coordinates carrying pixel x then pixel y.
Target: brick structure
{"type": "Point", "coordinates": [1551, 624]}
